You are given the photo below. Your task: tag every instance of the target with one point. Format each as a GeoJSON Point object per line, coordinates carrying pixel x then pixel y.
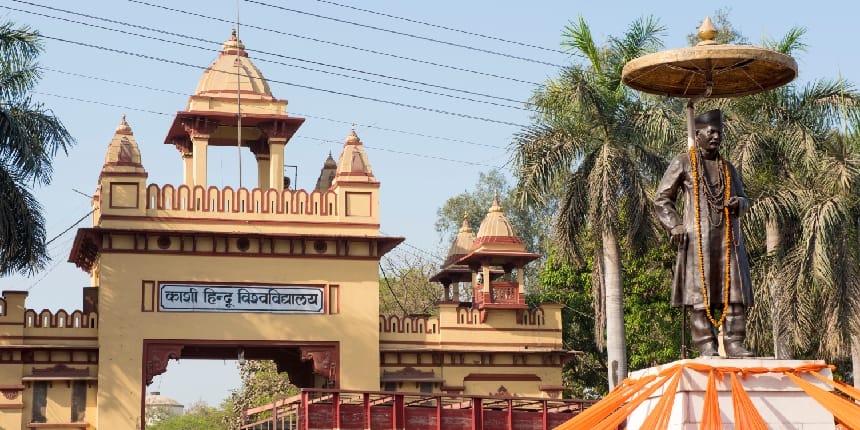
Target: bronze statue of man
{"type": "Point", "coordinates": [712, 271]}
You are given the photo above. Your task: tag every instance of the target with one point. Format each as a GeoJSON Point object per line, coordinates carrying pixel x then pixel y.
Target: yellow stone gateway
{"type": "Point", "coordinates": [194, 271]}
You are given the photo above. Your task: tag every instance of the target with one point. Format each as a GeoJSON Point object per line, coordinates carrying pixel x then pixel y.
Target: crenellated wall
{"type": "Point", "coordinates": [57, 349]}
{"type": "Point", "coordinates": [60, 319]}
{"type": "Point", "coordinates": [510, 352]}
{"type": "Point", "coordinates": [288, 204]}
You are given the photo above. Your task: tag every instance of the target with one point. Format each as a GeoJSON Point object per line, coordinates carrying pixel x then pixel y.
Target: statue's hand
{"type": "Point", "coordinates": [736, 204]}
{"type": "Point", "coordinates": [678, 235]}
{"type": "Point", "coordinates": [733, 203]}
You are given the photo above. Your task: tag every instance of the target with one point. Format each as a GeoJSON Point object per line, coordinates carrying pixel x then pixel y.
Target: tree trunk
{"type": "Point", "coordinates": [616, 344]}
{"type": "Point", "coordinates": [773, 243]}
{"type": "Point", "coordinates": [855, 359]}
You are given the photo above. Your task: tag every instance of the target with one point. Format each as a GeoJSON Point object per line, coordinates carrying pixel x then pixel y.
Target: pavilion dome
{"type": "Point", "coordinates": [462, 243]}
{"type": "Point", "coordinates": [155, 398]}
{"type": "Point", "coordinates": [496, 228]}
{"type": "Point", "coordinates": [220, 79]}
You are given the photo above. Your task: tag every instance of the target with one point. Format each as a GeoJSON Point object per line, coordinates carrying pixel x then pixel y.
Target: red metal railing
{"type": "Point", "coordinates": [346, 410]}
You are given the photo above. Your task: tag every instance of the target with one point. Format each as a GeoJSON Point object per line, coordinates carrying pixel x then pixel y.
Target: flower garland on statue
{"type": "Point", "coordinates": [728, 227]}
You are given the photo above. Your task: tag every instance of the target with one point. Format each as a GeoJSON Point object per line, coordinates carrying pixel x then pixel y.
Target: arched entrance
{"type": "Point", "coordinates": [309, 364]}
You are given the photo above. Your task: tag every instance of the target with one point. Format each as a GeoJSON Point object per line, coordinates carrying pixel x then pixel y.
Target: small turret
{"type": "Point", "coordinates": [327, 173]}
{"type": "Point", "coordinates": [353, 165]}
{"type": "Point", "coordinates": [122, 182]}
{"type": "Point", "coordinates": [123, 154]}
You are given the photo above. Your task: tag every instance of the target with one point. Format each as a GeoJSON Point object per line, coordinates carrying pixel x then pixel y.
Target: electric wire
{"type": "Point", "coordinates": [341, 45]}
{"type": "Point", "coordinates": [393, 130]}
{"type": "Point", "coordinates": [57, 236]}
{"type": "Point", "coordinates": [432, 157]}
{"type": "Point", "coordinates": [298, 114]}
{"type": "Point", "coordinates": [400, 33]}
{"type": "Point", "coordinates": [295, 137]}
{"type": "Point", "coordinates": [385, 277]}
{"type": "Point", "coordinates": [70, 227]}
{"type": "Point", "coordinates": [161, 31]}
{"type": "Point", "coordinates": [442, 27]}
{"type": "Point", "coordinates": [293, 84]}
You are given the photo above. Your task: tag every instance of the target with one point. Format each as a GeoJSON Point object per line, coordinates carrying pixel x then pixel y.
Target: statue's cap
{"type": "Point", "coordinates": [711, 117]}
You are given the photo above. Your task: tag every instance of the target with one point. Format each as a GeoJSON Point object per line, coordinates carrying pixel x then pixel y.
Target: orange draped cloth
{"type": "Point", "coordinates": [617, 406]}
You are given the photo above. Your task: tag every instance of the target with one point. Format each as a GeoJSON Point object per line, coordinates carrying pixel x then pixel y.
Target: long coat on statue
{"type": "Point", "coordinates": [687, 284]}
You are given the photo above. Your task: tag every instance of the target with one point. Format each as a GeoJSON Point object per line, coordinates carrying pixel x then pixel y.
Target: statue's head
{"type": "Point", "coordinates": [709, 131]}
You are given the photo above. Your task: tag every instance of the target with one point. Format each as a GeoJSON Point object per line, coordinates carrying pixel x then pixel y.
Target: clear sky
{"type": "Point", "coordinates": [423, 147]}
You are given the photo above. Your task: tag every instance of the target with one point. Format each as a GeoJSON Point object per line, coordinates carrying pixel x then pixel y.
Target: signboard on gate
{"type": "Point", "coordinates": [239, 298]}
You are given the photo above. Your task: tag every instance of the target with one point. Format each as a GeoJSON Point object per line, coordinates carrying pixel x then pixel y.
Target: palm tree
{"type": "Point", "coordinates": [777, 136]}
{"type": "Point", "coordinates": [30, 136]}
{"type": "Point", "coordinates": [593, 142]}
{"type": "Point", "coordinates": [821, 273]}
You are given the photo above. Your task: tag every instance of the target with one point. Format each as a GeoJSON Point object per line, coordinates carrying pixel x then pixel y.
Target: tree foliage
{"type": "Point", "coordinates": [653, 327]}
{"type": "Point", "coordinates": [198, 416]}
{"type": "Point", "coordinates": [405, 288]}
{"type": "Point", "coordinates": [528, 221]}
{"type": "Point", "coordinates": [604, 145]}
{"type": "Point", "coordinates": [262, 384]}
{"type": "Point", "coordinates": [30, 137]}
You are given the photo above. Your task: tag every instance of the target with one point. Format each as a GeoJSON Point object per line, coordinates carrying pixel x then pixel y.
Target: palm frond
{"type": "Point", "coordinates": [22, 228]}
{"type": "Point", "coordinates": [578, 38]}
{"type": "Point", "coordinates": [30, 136]}
{"type": "Point", "coordinates": [790, 43]}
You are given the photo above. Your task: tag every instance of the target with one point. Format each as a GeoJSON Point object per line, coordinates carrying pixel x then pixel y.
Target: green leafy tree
{"type": "Point", "coordinates": [653, 326]}
{"type": "Point", "coordinates": [262, 384]}
{"type": "Point", "coordinates": [405, 288]}
{"type": "Point", "coordinates": [585, 375]}
{"type": "Point", "coordinates": [198, 416]}
{"type": "Point", "coordinates": [776, 139]}
{"type": "Point", "coordinates": [529, 222]}
{"type": "Point", "coordinates": [30, 136]}
{"type": "Point", "coordinates": [603, 143]}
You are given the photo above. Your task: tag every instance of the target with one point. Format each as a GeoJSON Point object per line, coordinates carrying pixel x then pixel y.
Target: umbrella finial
{"type": "Point", "coordinates": [707, 32]}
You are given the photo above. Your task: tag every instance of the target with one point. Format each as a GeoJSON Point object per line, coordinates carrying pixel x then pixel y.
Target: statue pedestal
{"type": "Point", "coordinates": [781, 403]}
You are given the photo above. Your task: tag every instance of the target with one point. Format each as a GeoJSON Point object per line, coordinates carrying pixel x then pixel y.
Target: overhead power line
{"type": "Point", "coordinates": [293, 84]}
{"type": "Point", "coordinates": [341, 45]}
{"type": "Point", "coordinates": [412, 133]}
{"type": "Point", "coordinates": [132, 108]}
{"type": "Point", "coordinates": [299, 114]}
{"type": "Point", "coordinates": [271, 61]}
{"type": "Point", "coordinates": [185, 36]}
{"type": "Point", "coordinates": [432, 157]}
{"type": "Point", "coordinates": [442, 27]}
{"type": "Point", "coordinates": [400, 33]}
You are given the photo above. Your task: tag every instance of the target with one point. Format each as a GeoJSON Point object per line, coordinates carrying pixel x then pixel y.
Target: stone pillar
{"type": "Point", "coordinates": [199, 159]}
{"type": "Point", "coordinates": [277, 135]}
{"type": "Point", "coordinates": [276, 163]}
{"type": "Point", "coordinates": [199, 130]}
{"type": "Point", "coordinates": [261, 152]}
{"type": "Point", "coordinates": [520, 280]}
{"type": "Point", "coordinates": [184, 148]}
{"type": "Point", "coordinates": [187, 169]}
{"type": "Point", "coordinates": [263, 164]}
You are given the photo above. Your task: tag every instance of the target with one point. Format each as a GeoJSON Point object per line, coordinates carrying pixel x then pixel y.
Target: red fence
{"type": "Point", "coordinates": [346, 410]}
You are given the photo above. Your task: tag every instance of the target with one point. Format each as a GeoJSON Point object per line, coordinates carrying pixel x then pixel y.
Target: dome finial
{"type": "Point", "coordinates": [353, 137]}
{"type": "Point", "coordinates": [465, 227]}
{"type": "Point", "coordinates": [495, 207]}
{"type": "Point", "coordinates": [707, 33]}
{"type": "Point", "coordinates": [123, 127]}
{"type": "Point", "coordinates": [234, 44]}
